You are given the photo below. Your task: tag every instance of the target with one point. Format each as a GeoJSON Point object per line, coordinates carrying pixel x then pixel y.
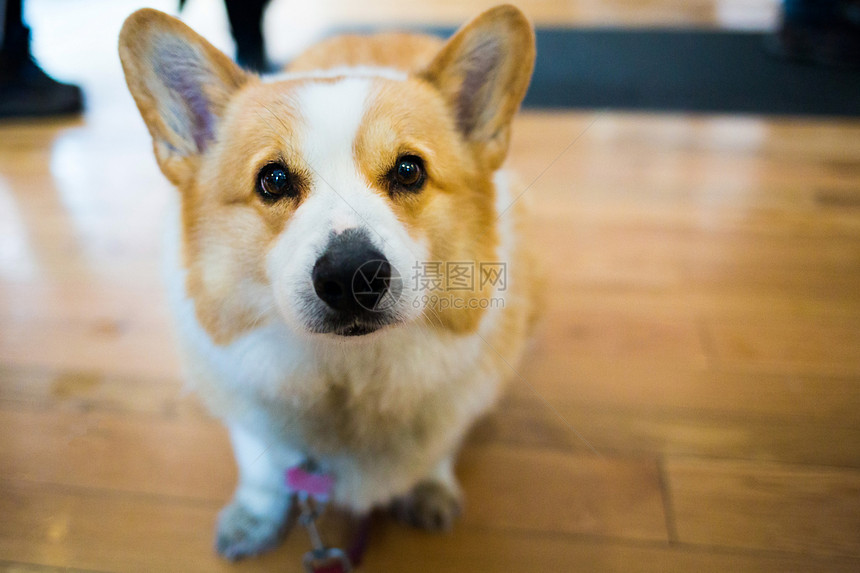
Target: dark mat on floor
{"type": "Point", "coordinates": [681, 71]}
{"type": "Point", "coordinates": [699, 71]}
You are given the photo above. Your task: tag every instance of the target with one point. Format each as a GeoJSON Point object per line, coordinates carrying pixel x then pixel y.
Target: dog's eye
{"type": "Point", "coordinates": [274, 182]}
{"type": "Point", "coordinates": [408, 173]}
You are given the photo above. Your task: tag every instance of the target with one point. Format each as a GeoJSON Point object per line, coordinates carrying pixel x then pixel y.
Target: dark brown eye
{"type": "Point", "coordinates": [274, 182]}
{"type": "Point", "coordinates": [408, 173]}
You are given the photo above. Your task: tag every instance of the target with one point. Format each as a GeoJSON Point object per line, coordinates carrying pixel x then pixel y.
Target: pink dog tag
{"type": "Point", "coordinates": [318, 485]}
{"type": "Point", "coordinates": [312, 490]}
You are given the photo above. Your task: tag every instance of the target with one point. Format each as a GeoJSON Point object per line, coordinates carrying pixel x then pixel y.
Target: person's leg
{"type": "Point", "coordinates": [15, 36]}
{"type": "Point", "coordinates": [246, 25]}
{"type": "Point", "coordinates": [25, 90]}
{"type": "Point", "coordinates": [246, 18]}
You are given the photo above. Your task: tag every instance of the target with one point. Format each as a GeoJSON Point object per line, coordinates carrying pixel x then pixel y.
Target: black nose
{"type": "Point", "coordinates": [352, 276]}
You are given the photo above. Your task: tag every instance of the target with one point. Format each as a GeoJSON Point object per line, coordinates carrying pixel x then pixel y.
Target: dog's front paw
{"type": "Point", "coordinates": [430, 505]}
{"type": "Point", "coordinates": [243, 534]}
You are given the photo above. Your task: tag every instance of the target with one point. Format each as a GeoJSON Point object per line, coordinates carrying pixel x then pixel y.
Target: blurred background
{"type": "Point", "coordinates": [690, 403]}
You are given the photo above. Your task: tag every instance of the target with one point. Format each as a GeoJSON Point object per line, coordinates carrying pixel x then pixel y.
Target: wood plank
{"type": "Point", "coordinates": [117, 451]}
{"type": "Point", "coordinates": [531, 422]}
{"type": "Point", "coordinates": [128, 348]}
{"type": "Point", "coordinates": [621, 335]}
{"type": "Point", "coordinates": [96, 392]}
{"type": "Point", "coordinates": [766, 506]}
{"type": "Point", "coordinates": [633, 433]}
{"type": "Point", "coordinates": [79, 297]}
{"type": "Point", "coordinates": [61, 527]}
{"type": "Point", "coordinates": [393, 549]}
{"type": "Point", "coordinates": [10, 567]}
{"type": "Point", "coordinates": [92, 529]}
{"type": "Point", "coordinates": [799, 345]}
{"type": "Point", "coordinates": [538, 490]}
{"type": "Point", "coordinates": [715, 165]}
{"type": "Point", "coordinates": [662, 386]}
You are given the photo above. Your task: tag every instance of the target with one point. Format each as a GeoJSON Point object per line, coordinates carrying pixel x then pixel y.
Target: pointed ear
{"type": "Point", "coordinates": [181, 84]}
{"type": "Point", "coordinates": [483, 73]}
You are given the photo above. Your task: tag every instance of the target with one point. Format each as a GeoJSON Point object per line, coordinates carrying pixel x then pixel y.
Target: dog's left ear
{"type": "Point", "coordinates": [483, 73]}
{"type": "Point", "coordinates": [181, 84]}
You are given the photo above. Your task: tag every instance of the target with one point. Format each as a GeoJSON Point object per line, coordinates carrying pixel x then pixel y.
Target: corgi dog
{"type": "Point", "coordinates": [346, 264]}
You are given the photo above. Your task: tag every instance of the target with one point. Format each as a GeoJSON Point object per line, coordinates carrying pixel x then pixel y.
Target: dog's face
{"type": "Point", "coordinates": [319, 199]}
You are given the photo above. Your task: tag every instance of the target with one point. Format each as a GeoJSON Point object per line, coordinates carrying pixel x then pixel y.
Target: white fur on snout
{"type": "Point", "coordinates": [339, 200]}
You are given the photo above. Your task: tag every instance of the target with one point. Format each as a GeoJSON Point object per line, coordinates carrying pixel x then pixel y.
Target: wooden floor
{"type": "Point", "coordinates": [691, 403]}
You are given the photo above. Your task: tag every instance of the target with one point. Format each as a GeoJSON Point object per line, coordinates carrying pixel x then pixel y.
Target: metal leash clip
{"type": "Point", "coordinates": [312, 489]}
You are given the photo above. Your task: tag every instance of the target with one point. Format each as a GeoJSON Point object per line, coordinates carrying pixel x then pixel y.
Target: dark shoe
{"type": "Point", "coordinates": [828, 37]}
{"type": "Point", "coordinates": [832, 46]}
{"type": "Point", "coordinates": [27, 91]}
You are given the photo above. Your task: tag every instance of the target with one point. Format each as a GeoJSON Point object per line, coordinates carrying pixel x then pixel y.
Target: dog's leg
{"type": "Point", "coordinates": [255, 520]}
{"type": "Point", "coordinates": [435, 502]}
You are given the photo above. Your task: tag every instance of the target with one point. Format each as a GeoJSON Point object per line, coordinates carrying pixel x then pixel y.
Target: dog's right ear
{"type": "Point", "coordinates": [181, 84]}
